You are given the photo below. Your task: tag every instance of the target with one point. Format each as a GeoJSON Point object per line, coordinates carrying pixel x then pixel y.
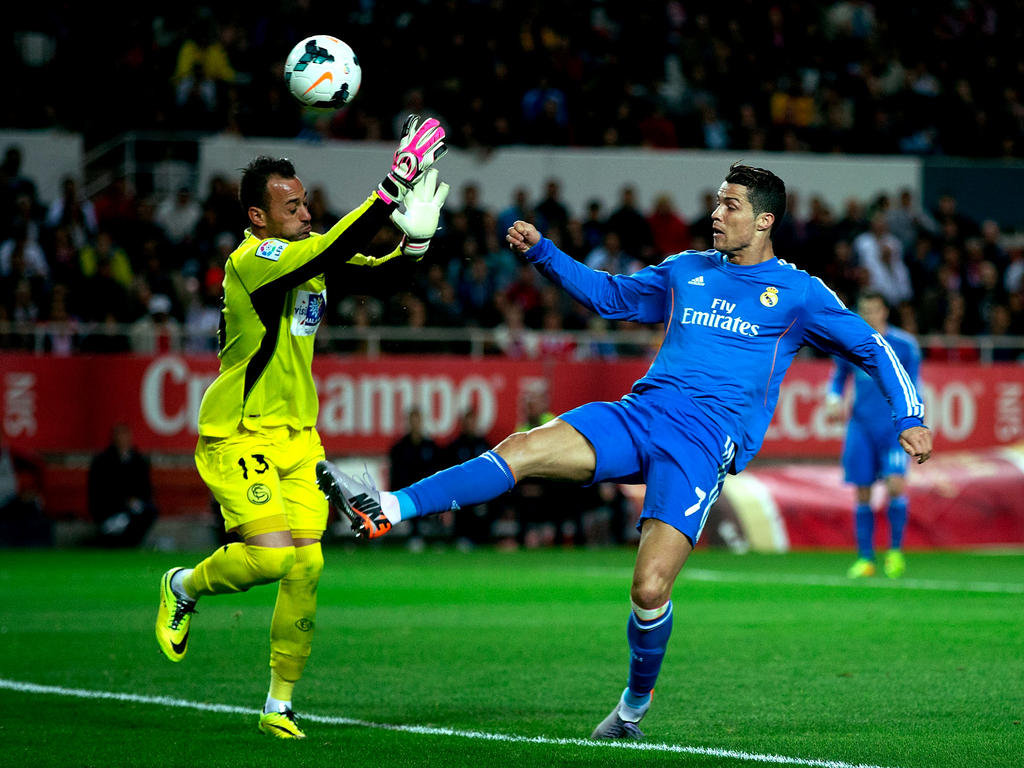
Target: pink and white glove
{"type": "Point", "coordinates": [422, 213]}
{"type": "Point", "coordinates": [421, 145]}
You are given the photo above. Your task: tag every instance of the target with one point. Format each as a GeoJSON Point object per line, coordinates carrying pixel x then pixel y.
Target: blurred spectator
{"type": "Point", "coordinates": [546, 511]}
{"type": "Point", "coordinates": [106, 253]}
{"type": "Point", "coordinates": [476, 226]}
{"type": "Point", "coordinates": [1013, 280]}
{"type": "Point", "coordinates": [553, 341]}
{"type": "Point", "coordinates": [854, 220]}
{"type": "Point", "coordinates": [116, 207]}
{"type": "Point", "coordinates": [61, 338]}
{"type": "Point", "coordinates": [632, 227]}
{"type": "Point", "coordinates": [472, 526]}
{"type": "Point", "coordinates": [19, 248]}
{"type": "Point", "coordinates": [25, 214]}
{"type": "Point", "coordinates": [22, 520]}
{"type": "Point", "coordinates": [881, 255]}
{"type": "Point", "coordinates": [657, 130]}
{"type": "Point", "coordinates": [201, 71]}
{"type": "Point", "coordinates": [74, 214]}
{"type": "Point", "coordinates": [475, 292]}
{"type": "Point", "coordinates": [202, 316]}
{"type": "Point", "coordinates": [524, 293]}
{"type": "Point", "coordinates": [322, 217]}
{"type": "Point", "coordinates": [906, 220]}
{"type": "Point", "coordinates": [121, 492]}
{"type": "Point", "coordinates": [669, 231]}
{"type": "Point", "coordinates": [624, 76]}
{"type": "Point", "coordinates": [611, 258]}
{"type": "Point", "coordinates": [551, 211]}
{"type": "Point", "coordinates": [514, 340]}
{"type": "Point", "coordinates": [954, 225]}
{"type": "Point", "coordinates": [545, 114]}
{"type": "Point", "coordinates": [156, 332]}
{"type": "Point", "coordinates": [178, 216]}
{"type": "Point", "coordinates": [518, 210]}
{"type": "Point", "coordinates": [593, 226]}
{"type": "Point", "coordinates": [14, 184]}
{"type": "Point", "coordinates": [412, 458]}
{"type": "Point", "coordinates": [700, 228]}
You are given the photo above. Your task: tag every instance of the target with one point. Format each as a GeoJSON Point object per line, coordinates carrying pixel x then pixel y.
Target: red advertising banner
{"type": "Point", "coordinates": [68, 404]}
{"type": "Point", "coordinates": [957, 499]}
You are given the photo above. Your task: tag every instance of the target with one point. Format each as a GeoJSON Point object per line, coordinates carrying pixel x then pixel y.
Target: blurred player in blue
{"type": "Point", "coordinates": [734, 317]}
{"type": "Point", "coordinates": [872, 450]}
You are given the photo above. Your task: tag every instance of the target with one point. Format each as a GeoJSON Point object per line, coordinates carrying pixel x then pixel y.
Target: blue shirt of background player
{"type": "Point", "coordinates": [870, 408]}
{"type": "Point", "coordinates": [731, 332]}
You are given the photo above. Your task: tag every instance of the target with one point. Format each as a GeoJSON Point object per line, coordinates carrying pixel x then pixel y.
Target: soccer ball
{"type": "Point", "coordinates": [323, 72]}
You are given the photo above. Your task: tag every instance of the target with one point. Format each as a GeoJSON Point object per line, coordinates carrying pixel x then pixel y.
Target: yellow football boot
{"type": "Point", "coordinates": [281, 725]}
{"type": "Point", "coordinates": [173, 619]}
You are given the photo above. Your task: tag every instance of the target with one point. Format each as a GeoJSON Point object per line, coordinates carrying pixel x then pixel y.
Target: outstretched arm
{"type": "Point", "coordinates": [641, 297]}
{"type": "Point", "coordinates": [834, 329]}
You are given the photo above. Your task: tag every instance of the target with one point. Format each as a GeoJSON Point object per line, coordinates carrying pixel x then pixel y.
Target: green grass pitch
{"type": "Point", "coordinates": [774, 660]}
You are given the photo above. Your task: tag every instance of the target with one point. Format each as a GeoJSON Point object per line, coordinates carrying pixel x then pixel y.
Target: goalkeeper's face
{"type": "Point", "coordinates": [287, 214]}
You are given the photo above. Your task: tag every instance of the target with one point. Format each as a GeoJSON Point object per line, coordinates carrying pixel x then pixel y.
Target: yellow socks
{"type": "Point", "coordinates": [237, 567]}
{"type": "Point", "coordinates": [291, 629]}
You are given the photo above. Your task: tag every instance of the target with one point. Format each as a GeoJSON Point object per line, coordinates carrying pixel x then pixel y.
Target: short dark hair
{"type": "Point", "coordinates": [253, 189]}
{"type": "Point", "coordinates": [766, 191]}
{"type": "Point", "coordinates": [872, 295]}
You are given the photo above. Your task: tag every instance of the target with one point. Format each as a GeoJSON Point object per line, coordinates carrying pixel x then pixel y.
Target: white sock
{"type": "Point", "coordinates": [178, 584]}
{"type": "Point", "coordinates": [632, 714]}
{"type": "Point", "coordinates": [276, 705]}
{"type": "Point", "coordinates": [389, 506]}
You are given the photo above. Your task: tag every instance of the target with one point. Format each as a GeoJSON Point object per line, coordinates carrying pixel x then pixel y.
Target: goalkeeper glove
{"type": "Point", "coordinates": [422, 144]}
{"type": "Point", "coordinates": [422, 211]}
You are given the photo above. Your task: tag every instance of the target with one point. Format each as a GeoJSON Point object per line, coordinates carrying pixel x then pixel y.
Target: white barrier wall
{"type": "Point", "coordinates": [348, 171]}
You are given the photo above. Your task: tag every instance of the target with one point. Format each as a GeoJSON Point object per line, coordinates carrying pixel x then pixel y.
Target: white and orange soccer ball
{"type": "Point", "coordinates": [323, 72]}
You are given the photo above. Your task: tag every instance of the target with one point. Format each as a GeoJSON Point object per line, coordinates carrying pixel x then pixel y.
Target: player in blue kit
{"type": "Point", "coordinates": [734, 317]}
{"type": "Point", "coordinates": [872, 451]}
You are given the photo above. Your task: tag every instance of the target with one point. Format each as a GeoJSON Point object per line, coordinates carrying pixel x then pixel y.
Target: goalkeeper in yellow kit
{"type": "Point", "coordinates": [258, 445]}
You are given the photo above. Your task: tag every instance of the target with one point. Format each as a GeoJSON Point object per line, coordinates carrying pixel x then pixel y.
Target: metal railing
{"type": "Point", "coordinates": [86, 338]}
{"type": "Point", "coordinates": [152, 163]}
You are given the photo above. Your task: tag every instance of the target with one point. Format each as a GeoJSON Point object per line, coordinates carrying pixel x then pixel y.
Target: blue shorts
{"type": "Point", "coordinates": [872, 454]}
{"type": "Point", "coordinates": [671, 445]}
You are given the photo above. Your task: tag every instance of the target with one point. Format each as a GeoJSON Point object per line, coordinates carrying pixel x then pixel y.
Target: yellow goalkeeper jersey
{"type": "Point", "coordinates": [275, 295]}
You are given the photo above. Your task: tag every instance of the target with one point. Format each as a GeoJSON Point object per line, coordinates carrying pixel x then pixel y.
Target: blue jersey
{"type": "Point", "coordinates": [731, 332]}
{"type": "Point", "coordinates": [870, 408]}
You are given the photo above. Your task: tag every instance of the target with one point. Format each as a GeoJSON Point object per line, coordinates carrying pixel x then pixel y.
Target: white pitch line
{"type": "Point", "coordinates": [935, 585]}
{"type": "Point", "coordinates": [426, 730]}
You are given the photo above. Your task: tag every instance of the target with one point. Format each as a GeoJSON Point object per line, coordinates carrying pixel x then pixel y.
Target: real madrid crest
{"type": "Point", "coordinates": [770, 297]}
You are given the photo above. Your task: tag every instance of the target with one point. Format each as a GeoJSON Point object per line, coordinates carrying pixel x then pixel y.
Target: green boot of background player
{"type": "Point", "coordinates": [895, 564]}
{"type": "Point", "coordinates": [861, 568]}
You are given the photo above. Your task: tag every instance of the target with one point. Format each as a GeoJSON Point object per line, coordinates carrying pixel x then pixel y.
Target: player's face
{"type": "Point", "coordinates": [287, 215]}
{"type": "Point", "coordinates": [874, 312]}
{"type": "Point", "coordinates": [732, 221]}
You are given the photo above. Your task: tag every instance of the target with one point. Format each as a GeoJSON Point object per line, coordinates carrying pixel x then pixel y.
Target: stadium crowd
{"type": "Point", "coordinates": [848, 76]}
{"type": "Point", "coordinates": [75, 266]}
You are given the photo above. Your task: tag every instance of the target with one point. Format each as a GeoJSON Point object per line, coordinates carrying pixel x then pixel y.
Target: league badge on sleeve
{"type": "Point", "coordinates": [271, 250]}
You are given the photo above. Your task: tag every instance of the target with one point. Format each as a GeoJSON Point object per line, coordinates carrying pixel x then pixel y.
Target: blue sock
{"type": "Point", "coordinates": [897, 520]}
{"type": "Point", "coordinates": [647, 643]}
{"type": "Point", "coordinates": [865, 521]}
{"type": "Point", "coordinates": [471, 482]}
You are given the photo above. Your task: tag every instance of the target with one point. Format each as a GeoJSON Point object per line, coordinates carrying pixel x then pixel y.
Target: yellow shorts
{"type": "Point", "coordinates": [262, 479]}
